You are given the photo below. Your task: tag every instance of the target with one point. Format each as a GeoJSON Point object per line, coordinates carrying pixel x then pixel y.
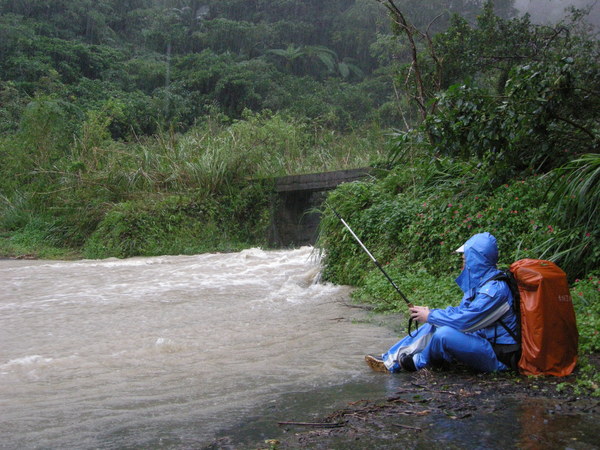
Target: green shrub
{"type": "Point", "coordinates": [148, 228]}
{"type": "Point", "coordinates": [37, 238]}
{"type": "Point", "coordinates": [182, 225]}
{"type": "Point", "coordinates": [344, 261]}
{"type": "Point", "coordinates": [424, 230]}
{"type": "Point", "coordinates": [586, 300]}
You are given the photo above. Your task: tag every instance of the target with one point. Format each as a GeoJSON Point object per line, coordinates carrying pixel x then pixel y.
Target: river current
{"type": "Point", "coordinates": [167, 351]}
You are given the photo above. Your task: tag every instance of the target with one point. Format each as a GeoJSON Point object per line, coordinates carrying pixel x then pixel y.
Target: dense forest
{"type": "Point", "coordinates": [157, 63]}
{"type": "Point", "coordinates": [146, 127]}
{"type": "Point", "coordinates": [105, 103]}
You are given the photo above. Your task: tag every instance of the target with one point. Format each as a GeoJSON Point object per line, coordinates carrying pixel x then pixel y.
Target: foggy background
{"type": "Point", "coordinates": [551, 11]}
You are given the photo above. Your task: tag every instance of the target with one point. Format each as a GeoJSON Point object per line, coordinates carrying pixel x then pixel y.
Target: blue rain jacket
{"type": "Point", "coordinates": [483, 302]}
{"type": "Point", "coordinates": [465, 332]}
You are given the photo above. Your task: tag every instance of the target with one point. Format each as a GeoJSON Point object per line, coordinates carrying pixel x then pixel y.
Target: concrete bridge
{"type": "Point", "coordinates": [296, 200]}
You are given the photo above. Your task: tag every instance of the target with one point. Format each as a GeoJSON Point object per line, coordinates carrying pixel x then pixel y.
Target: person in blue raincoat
{"type": "Point", "coordinates": [480, 332]}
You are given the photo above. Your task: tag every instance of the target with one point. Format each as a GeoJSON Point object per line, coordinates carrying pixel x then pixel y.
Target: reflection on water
{"type": "Point", "coordinates": [544, 425]}
{"type": "Point", "coordinates": [166, 350]}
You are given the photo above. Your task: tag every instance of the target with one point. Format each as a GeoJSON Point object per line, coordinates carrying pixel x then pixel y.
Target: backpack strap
{"type": "Point", "coordinates": [510, 354]}
{"type": "Point", "coordinates": [509, 331]}
{"type": "Point", "coordinates": [512, 285]}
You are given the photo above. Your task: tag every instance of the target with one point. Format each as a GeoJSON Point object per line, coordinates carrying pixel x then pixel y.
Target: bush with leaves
{"type": "Point", "coordinates": [532, 128]}
{"type": "Point", "coordinates": [522, 104]}
{"type": "Point", "coordinates": [416, 228]}
{"type": "Point", "coordinates": [183, 225]}
{"type": "Point", "coordinates": [573, 204]}
{"type": "Point", "coordinates": [413, 231]}
{"type": "Point", "coordinates": [586, 300]}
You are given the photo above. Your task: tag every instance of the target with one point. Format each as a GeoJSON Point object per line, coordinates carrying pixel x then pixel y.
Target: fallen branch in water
{"type": "Point", "coordinates": [417, 429]}
{"type": "Point", "coordinates": [313, 424]}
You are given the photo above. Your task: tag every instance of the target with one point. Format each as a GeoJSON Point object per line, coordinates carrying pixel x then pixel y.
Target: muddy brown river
{"type": "Point", "coordinates": [167, 350]}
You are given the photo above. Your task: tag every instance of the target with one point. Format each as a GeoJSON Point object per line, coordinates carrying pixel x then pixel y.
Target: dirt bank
{"type": "Point", "coordinates": [453, 409]}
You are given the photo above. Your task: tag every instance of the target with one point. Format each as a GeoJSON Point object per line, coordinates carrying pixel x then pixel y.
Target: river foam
{"type": "Point", "coordinates": [166, 351]}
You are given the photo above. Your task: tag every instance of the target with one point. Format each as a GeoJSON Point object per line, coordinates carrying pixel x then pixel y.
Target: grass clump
{"type": "Point", "coordinates": [203, 190]}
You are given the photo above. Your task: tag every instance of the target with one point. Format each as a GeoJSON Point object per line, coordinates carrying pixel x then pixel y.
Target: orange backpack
{"type": "Point", "coordinates": [549, 334]}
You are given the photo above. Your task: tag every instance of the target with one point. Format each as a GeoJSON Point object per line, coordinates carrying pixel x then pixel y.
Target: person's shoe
{"type": "Point", "coordinates": [376, 363]}
{"type": "Point", "coordinates": [406, 363]}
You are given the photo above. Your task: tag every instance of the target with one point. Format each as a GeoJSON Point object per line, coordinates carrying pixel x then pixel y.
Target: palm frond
{"type": "Point", "coordinates": [576, 193]}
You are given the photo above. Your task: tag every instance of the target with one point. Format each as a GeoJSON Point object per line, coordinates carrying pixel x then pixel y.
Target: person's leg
{"type": "Point", "coordinates": [449, 344]}
{"type": "Point", "coordinates": [408, 345]}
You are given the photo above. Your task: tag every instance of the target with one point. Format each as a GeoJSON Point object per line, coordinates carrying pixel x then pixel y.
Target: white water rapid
{"type": "Point", "coordinates": [167, 351]}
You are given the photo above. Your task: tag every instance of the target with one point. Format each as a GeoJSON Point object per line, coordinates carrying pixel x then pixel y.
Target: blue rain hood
{"type": "Point", "coordinates": [481, 257]}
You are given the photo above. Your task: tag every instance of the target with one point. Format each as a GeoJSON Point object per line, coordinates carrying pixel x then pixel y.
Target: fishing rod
{"type": "Point", "coordinates": [410, 305]}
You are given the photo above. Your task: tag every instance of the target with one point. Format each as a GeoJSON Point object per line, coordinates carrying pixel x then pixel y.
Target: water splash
{"type": "Point", "coordinates": [135, 352]}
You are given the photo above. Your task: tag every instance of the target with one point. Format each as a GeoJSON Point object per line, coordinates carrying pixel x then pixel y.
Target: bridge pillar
{"type": "Point", "coordinates": [295, 204]}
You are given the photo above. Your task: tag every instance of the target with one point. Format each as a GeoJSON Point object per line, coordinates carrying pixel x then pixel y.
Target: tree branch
{"type": "Point", "coordinates": [576, 125]}
{"type": "Point", "coordinates": [410, 30]}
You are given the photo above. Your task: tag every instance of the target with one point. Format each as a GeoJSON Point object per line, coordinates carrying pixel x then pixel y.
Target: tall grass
{"type": "Point", "coordinates": [211, 156]}
{"type": "Point", "coordinates": [69, 190]}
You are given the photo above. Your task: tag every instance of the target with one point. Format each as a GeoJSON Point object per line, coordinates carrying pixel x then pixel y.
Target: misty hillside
{"type": "Point", "coordinates": [176, 61]}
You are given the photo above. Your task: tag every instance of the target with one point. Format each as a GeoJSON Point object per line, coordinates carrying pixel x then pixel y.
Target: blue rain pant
{"type": "Point", "coordinates": [432, 346]}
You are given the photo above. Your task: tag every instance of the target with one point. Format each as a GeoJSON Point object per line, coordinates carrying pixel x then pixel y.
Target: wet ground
{"type": "Point", "coordinates": [454, 409]}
